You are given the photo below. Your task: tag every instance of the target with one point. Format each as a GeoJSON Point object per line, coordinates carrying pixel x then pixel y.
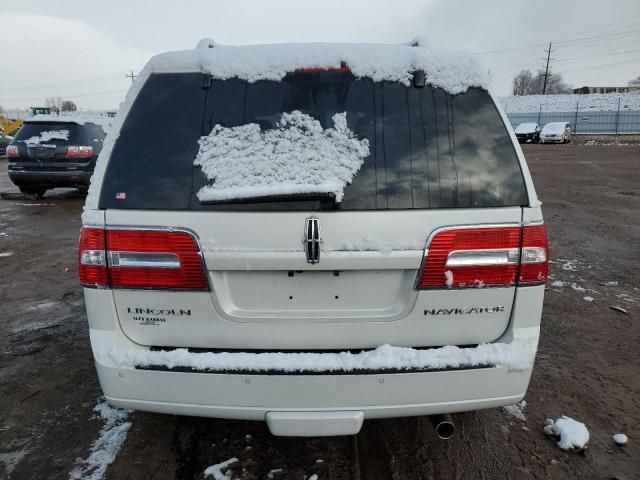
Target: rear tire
{"type": "Point", "coordinates": [37, 192]}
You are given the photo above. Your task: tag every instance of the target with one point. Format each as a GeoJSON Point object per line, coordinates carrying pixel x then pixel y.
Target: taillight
{"type": "Point", "coordinates": [79, 151]}
{"type": "Point", "coordinates": [12, 151]}
{"type": "Point", "coordinates": [475, 257]}
{"type": "Point", "coordinates": [146, 259]}
{"type": "Point", "coordinates": [92, 260]}
{"type": "Point", "coordinates": [534, 266]}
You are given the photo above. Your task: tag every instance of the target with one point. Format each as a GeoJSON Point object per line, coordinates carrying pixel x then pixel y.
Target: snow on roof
{"type": "Point", "coordinates": [80, 119]}
{"type": "Point", "coordinates": [454, 71]}
{"type": "Point", "coordinates": [554, 127]}
{"type": "Point", "coordinates": [526, 127]}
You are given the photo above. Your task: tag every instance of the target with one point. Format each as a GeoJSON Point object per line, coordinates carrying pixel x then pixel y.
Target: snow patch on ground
{"type": "Point", "coordinates": [620, 439]}
{"type": "Point", "coordinates": [611, 283]}
{"type": "Point", "coordinates": [106, 447]}
{"type": "Point", "coordinates": [517, 355]}
{"type": "Point", "coordinates": [5, 254]}
{"type": "Point", "coordinates": [12, 459]}
{"type": "Point", "coordinates": [558, 284]}
{"type": "Point", "coordinates": [220, 471]}
{"type": "Point", "coordinates": [572, 434]}
{"type": "Point", "coordinates": [578, 288]}
{"type": "Point", "coordinates": [298, 156]}
{"type": "Point", "coordinates": [517, 410]}
{"type": "Point", "coordinates": [587, 299]}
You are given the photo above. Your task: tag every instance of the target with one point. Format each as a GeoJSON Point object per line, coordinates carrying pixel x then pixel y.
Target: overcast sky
{"type": "Point", "coordinates": [82, 49]}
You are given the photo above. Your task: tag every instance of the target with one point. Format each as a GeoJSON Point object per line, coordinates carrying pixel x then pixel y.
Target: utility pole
{"type": "Point", "coordinates": [131, 75]}
{"type": "Point", "coordinates": [546, 71]}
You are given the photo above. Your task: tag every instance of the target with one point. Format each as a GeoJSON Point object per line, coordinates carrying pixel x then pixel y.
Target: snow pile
{"type": "Point", "coordinates": [517, 355]}
{"type": "Point", "coordinates": [517, 410]}
{"type": "Point", "coordinates": [298, 156]}
{"type": "Point", "coordinates": [572, 433]}
{"type": "Point", "coordinates": [588, 299]}
{"type": "Point", "coordinates": [48, 135]}
{"type": "Point", "coordinates": [106, 447]}
{"type": "Point", "coordinates": [453, 71]}
{"type": "Point", "coordinates": [620, 439]}
{"type": "Point", "coordinates": [593, 102]}
{"type": "Point", "coordinates": [217, 471]}
{"type": "Point", "coordinates": [376, 245]}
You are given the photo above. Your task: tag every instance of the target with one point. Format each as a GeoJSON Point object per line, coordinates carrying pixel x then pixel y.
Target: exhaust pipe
{"type": "Point", "coordinates": [443, 425]}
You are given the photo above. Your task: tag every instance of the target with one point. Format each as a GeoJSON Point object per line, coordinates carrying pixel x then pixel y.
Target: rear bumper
{"type": "Point", "coordinates": [320, 404]}
{"type": "Point", "coordinates": [66, 178]}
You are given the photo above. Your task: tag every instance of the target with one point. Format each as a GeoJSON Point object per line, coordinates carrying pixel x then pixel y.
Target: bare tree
{"type": "Point", "coordinates": [635, 82]}
{"type": "Point", "coordinates": [525, 83]}
{"type": "Point", "coordinates": [54, 103]}
{"type": "Point", "coordinates": [522, 82]}
{"type": "Point", "coordinates": [68, 106]}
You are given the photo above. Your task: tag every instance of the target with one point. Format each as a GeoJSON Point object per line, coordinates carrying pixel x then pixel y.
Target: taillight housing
{"type": "Point", "coordinates": [12, 151]}
{"type": "Point", "coordinates": [79, 151]}
{"type": "Point", "coordinates": [489, 256]}
{"type": "Point", "coordinates": [136, 258]}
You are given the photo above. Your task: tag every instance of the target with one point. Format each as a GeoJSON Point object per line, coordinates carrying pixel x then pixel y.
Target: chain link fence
{"type": "Point", "coordinates": [585, 122]}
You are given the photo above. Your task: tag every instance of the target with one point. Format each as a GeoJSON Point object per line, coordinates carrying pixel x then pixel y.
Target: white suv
{"type": "Point", "coordinates": [328, 233]}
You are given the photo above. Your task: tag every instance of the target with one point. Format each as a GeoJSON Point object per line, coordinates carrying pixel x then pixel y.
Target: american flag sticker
{"type": "Point", "coordinates": [121, 196]}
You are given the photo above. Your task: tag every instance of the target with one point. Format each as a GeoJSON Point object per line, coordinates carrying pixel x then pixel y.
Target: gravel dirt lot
{"type": "Point", "coordinates": [587, 366]}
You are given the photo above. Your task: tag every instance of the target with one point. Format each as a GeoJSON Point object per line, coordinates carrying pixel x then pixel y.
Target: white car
{"type": "Point", "coordinates": [331, 233]}
{"type": "Point", "coordinates": [556, 132]}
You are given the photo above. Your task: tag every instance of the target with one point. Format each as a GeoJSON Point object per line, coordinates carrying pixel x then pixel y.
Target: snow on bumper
{"type": "Point", "coordinates": [377, 394]}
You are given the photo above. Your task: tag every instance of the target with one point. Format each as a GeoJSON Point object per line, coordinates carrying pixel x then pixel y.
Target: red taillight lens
{"type": "Point", "coordinates": [80, 151]}
{"type": "Point", "coordinates": [12, 151]}
{"type": "Point", "coordinates": [150, 259]}
{"type": "Point", "coordinates": [472, 257]}
{"type": "Point", "coordinates": [475, 257]}
{"type": "Point", "coordinates": [534, 266]}
{"type": "Point", "coordinates": [92, 260]}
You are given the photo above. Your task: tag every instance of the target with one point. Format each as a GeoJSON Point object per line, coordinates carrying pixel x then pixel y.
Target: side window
{"type": "Point", "coordinates": [151, 165]}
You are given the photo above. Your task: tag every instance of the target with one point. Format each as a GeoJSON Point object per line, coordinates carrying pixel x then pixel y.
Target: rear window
{"type": "Point", "coordinates": [428, 149]}
{"type": "Point", "coordinates": [59, 133]}
{"type": "Point", "coordinates": [52, 132]}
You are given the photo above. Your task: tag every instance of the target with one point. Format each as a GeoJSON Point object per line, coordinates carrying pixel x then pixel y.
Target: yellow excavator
{"type": "Point", "coordinates": [8, 126]}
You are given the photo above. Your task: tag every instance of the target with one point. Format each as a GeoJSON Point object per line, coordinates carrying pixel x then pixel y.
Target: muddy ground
{"type": "Point", "coordinates": [587, 366]}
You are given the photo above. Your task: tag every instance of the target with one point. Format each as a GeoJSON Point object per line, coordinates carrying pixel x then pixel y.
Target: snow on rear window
{"type": "Point", "coordinates": [48, 135]}
{"type": "Point", "coordinates": [298, 156]}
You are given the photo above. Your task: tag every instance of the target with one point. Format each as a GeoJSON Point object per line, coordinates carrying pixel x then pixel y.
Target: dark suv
{"type": "Point", "coordinates": [50, 152]}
